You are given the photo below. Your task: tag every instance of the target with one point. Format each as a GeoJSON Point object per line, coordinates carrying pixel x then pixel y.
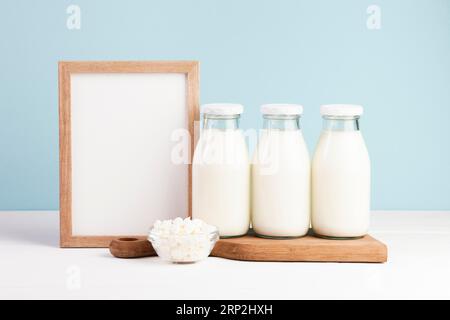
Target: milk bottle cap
{"type": "Point", "coordinates": [341, 110]}
{"type": "Point", "coordinates": [226, 109]}
{"type": "Point", "coordinates": [282, 109]}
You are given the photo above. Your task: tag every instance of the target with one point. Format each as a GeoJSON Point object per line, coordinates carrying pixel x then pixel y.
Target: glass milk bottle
{"type": "Point", "coordinates": [341, 175]}
{"type": "Point", "coordinates": [221, 172]}
{"type": "Point", "coordinates": [281, 175]}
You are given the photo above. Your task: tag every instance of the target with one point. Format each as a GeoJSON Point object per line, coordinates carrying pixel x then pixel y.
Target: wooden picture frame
{"type": "Point", "coordinates": [71, 77]}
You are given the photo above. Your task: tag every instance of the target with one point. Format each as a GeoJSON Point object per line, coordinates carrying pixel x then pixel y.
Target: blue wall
{"type": "Point", "coordinates": [252, 51]}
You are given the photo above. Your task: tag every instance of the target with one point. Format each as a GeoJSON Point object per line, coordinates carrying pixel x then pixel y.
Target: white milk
{"type": "Point", "coordinates": [281, 184]}
{"type": "Point", "coordinates": [341, 185]}
{"type": "Point", "coordinates": [221, 181]}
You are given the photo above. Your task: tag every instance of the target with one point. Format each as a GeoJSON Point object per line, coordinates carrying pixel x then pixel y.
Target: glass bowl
{"type": "Point", "coordinates": [183, 248]}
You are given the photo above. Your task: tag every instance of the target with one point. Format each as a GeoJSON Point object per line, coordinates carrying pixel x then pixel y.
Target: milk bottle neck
{"type": "Point", "coordinates": [281, 122]}
{"type": "Point", "coordinates": [340, 123]}
{"type": "Point", "coordinates": [221, 122]}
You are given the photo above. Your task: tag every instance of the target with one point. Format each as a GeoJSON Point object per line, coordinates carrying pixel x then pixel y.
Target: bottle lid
{"type": "Point", "coordinates": [282, 109]}
{"type": "Point", "coordinates": [224, 109]}
{"type": "Point", "coordinates": [341, 110]}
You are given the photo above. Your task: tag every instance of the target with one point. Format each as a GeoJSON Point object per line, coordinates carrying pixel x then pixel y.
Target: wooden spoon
{"type": "Point", "coordinates": [128, 248]}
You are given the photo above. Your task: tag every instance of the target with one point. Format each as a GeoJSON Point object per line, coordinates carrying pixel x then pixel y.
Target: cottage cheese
{"type": "Point", "coordinates": [183, 240]}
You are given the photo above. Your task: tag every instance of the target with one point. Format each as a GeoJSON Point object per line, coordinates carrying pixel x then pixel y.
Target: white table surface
{"type": "Point", "coordinates": [33, 266]}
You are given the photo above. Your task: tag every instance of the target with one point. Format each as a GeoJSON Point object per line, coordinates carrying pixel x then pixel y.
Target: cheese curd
{"type": "Point", "coordinates": [183, 240]}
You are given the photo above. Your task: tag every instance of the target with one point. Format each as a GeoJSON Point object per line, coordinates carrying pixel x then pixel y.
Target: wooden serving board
{"type": "Point", "coordinates": [307, 249]}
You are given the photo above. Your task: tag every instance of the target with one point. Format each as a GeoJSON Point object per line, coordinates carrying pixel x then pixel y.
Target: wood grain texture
{"type": "Point", "coordinates": [307, 249]}
{"type": "Point", "coordinates": [93, 241]}
{"type": "Point", "coordinates": [65, 69]}
{"type": "Point", "coordinates": [65, 157]}
{"type": "Point", "coordinates": [131, 248]}
{"type": "Point", "coordinates": [193, 97]}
